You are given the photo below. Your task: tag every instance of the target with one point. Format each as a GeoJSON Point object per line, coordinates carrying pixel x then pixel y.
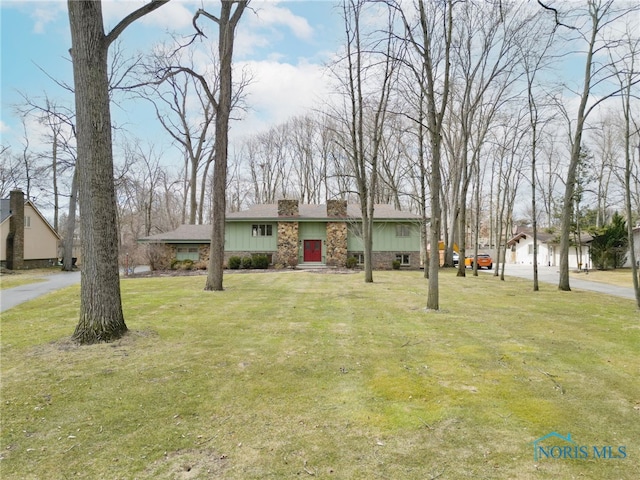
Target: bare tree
{"type": "Point", "coordinates": [101, 317]}
{"type": "Point", "coordinates": [627, 77]}
{"type": "Point", "coordinates": [227, 22]}
{"type": "Point", "coordinates": [597, 38]}
{"type": "Point", "coordinates": [174, 97]}
{"type": "Point", "coordinates": [366, 85]}
{"type": "Point", "coordinates": [429, 38]}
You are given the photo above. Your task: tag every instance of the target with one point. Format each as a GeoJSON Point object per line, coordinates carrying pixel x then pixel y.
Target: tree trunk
{"type": "Point", "coordinates": [101, 317]}
{"type": "Point", "coordinates": [227, 25]}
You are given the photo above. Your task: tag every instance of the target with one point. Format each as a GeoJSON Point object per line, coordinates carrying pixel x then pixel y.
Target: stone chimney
{"type": "Point", "coordinates": [336, 208]}
{"type": "Point", "coordinates": [288, 208]}
{"type": "Point", "coordinates": [15, 239]}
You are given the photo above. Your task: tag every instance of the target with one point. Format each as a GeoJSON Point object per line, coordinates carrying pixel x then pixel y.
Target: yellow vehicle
{"type": "Point", "coordinates": [484, 261]}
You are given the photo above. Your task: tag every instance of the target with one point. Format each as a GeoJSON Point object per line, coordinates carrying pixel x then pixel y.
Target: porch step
{"type": "Point", "coordinates": [311, 266]}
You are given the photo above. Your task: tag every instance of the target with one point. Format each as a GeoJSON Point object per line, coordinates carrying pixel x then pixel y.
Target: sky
{"type": "Point", "coordinates": [285, 45]}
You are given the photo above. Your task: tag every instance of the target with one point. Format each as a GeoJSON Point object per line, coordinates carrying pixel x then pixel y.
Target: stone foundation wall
{"type": "Point", "coordinates": [384, 260]}
{"type": "Point", "coordinates": [34, 263]}
{"type": "Point", "coordinates": [287, 253]}
{"type": "Point", "coordinates": [336, 244]}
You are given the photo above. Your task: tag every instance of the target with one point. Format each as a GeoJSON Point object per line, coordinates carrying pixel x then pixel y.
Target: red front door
{"type": "Point", "coordinates": [313, 250]}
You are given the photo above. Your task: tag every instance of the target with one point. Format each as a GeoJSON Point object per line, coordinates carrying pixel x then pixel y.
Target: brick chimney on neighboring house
{"type": "Point", "coordinates": [15, 239]}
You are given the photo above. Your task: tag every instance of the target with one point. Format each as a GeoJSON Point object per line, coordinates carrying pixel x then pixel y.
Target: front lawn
{"type": "Point", "coordinates": [307, 375]}
{"type": "Point", "coordinates": [17, 278]}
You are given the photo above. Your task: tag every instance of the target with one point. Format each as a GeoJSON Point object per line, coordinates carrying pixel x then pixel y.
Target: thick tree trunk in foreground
{"type": "Point", "coordinates": [101, 317]}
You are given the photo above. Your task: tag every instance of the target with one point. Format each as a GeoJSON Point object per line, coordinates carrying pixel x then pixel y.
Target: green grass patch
{"type": "Point", "coordinates": [17, 278]}
{"type": "Point", "coordinates": [299, 374]}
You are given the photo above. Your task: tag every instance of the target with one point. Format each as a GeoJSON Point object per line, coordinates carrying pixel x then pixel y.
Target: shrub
{"type": "Point", "coordinates": [186, 265]}
{"type": "Point", "coordinates": [246, 262]}
{"type": "Point", "coordinates": [175, 264]}
{"type": "Point", "coordinates": [352, 262]}
{"type": "Point", "coordinates": [396, 264]}
{"type": "Point", "coordinates": [234, 263]}
{"type": "Point", "coordinates": [260, 261]}
{"type": "Point", "coordinates": [200, 265]}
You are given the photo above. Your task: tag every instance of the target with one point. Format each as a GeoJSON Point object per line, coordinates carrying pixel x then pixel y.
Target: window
{"type": "Point", "coordinates": [187, 253]}
{"type": "Point", "coordinates": [261, 230]}
{"type": "Point", "coordinates": [27, 222]}
{"type": "Point", "coordinates": [403, 258]}
{"type": "Point", "coordinates": [359, 257]}
{"type": "Point", "coordinates": [403, 230]}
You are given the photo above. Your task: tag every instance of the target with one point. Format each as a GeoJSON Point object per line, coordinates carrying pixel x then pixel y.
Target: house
{"type": "Point", "coordinates": [521, 249]}
{"type": "Point", "coordinates": [293, 234]}
{"type": "Point", "coordinates": [27, 239]}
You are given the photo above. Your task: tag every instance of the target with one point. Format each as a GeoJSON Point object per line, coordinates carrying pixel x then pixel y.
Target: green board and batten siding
{"type": "Point", "coordinates": [386, 239]}
{"type": "Point", "coordinates": [239, 237]}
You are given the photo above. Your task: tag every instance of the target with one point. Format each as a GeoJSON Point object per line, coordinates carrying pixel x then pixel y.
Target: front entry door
{"type": "Point", "coordinates": [313, 250]}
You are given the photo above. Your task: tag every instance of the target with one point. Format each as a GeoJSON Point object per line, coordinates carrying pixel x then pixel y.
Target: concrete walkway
{"type": "Point", "coordinates": [551, 275]}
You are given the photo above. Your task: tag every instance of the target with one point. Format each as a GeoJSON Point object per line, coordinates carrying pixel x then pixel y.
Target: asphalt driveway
{"type": "Point", "coordinates": [11, 297]}
{"type": "Point", "coordinates": [551, 275]}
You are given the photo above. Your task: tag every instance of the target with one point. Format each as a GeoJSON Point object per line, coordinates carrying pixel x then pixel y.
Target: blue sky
{"type": "Point", "coordinates": [285, 45]}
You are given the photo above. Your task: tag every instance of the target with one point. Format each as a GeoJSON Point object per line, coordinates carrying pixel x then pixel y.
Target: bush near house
{"type": "Point", "coordinates": [247, 262]}
{"type": "Point", "coordinates": [260, 261]}
{"type": "Point", "coordinates": [352, 262]}
{"type": "Point", "coordinates": [234, 262]}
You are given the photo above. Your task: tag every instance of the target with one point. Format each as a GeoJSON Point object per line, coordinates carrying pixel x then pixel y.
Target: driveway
{"type": "Point", "coordinates": [11, 297]}
{"type": "Point", "coordinates": [551, 275]}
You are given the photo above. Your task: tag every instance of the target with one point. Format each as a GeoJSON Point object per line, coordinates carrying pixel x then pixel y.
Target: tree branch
{"type": "Point", "coordinates": [132, 17]}
{"type": "Point", "coordinates": [555, 12]}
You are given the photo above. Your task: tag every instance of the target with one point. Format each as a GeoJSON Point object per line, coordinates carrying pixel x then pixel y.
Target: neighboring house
{"type": "Point", "coordinates": [27, 239]}
{"type": "Point", "coordinates": [291, 234]}
{"type": "Point", "coordinates": [521, 249]}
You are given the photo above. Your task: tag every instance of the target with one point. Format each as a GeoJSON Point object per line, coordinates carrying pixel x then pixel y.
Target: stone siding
{"type": "Point", "coordinates": [288, 208]}
{"type": "Point", "coordinates": [336, 244]}
{"type": "Point", "coordinates": [384, 260]}
{"type": "Point", "coordinates": [287, 254]}
{"type": "Point", "coordinates": [336, 208]}
{"type": "Point", "coordinates": [15, 239]}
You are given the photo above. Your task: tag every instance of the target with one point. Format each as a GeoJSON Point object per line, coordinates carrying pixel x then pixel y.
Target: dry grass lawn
{"type": "Point", "coordinates": [303, 375]}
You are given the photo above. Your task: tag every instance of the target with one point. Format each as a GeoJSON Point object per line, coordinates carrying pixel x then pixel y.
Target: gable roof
{"type": "Point", "coordinates": [522, 233]}
{"type": "Point", "coordinates": [5, 213]}
{"type": "Point", "coordinates": [269, 213]}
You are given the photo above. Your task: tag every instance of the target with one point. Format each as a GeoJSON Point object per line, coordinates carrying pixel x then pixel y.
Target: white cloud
{"type": "Point", "coordinates": [46, 14]}
{"type": "Point", "coordinates": [269, 14]}
{"type": "Point", "coordinates": [278, 92]}
{"type": "Point", "coordinates": [171, 16]}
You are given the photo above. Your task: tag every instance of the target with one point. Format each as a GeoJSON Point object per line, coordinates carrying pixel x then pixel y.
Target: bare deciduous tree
{"type": "Point", "coordinates": [101, 317]}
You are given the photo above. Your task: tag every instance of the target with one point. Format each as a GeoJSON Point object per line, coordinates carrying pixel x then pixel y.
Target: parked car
{"type": "Point", "coordinates": [484, 261]}
{"type": "Point", "coordinates": [456, 259]}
